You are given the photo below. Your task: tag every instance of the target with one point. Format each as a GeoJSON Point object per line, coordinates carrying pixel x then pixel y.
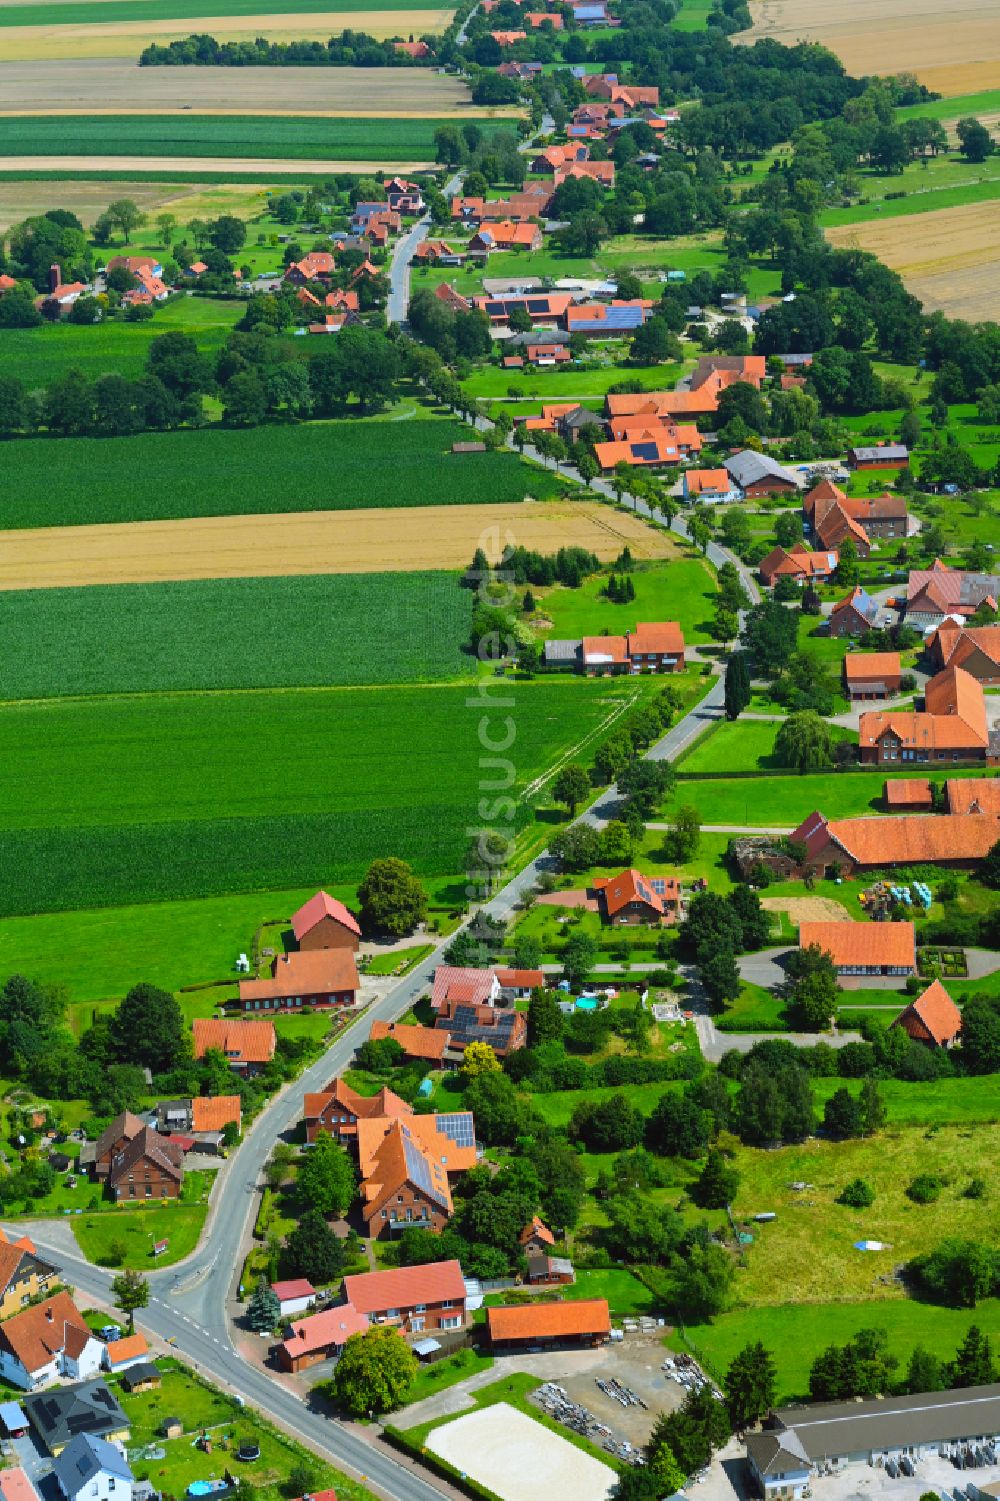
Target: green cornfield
{"type": "Point", "coordinates": [318, 631]}
{"type": "Point", "coordinates": [315, 466]}
{"type": "Point", "coordinates": [123, 800]}
{"type": "Point", "coordinates": [294, 138]}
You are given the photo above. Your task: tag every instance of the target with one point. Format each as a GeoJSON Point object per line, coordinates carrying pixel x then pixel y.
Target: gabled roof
{"type": "Point", "coordinates": [973, 795]}
{"type": "Point", "coordinates": [632, 886]}
{"type": "Point", "coordinates": [307, 972]}
{"type": "Point", "coordinates": [122, 1128]}
{"type": "Point", "coordinates": [908, 792]}
{"type": "Point", "coordinates": [131, 1347]}
{"type": "Point", "coordinates": [934, 1013]}
{"type": "Point", "coordinates": [604, 650]}
{"type": "Point", "coordinates": [953, 718]}
{"type": "Point", "coordinates": [148, 1146]}
{"type": "Point", "coordinates": [860, 601]}
{"type": "Point", "coordinates": [701, 481]}
{"type": "Point", "coordinates": [400, 1160]}
{"type": "Point", "coordinates": [776, 1453]}
{"type": "Point", "coordinates": [916, 839]}
{"type": "Point", "coordinates": [328, 1330]}
{"type": "Point", "coordinates": [749, 468]}
{"type": "Point", "coordinates": [35, 1337]}
{"type": "Point", "coordinates": [214, 1114]}
{"type": "Point", "coordinates": [447, 1138]}
{"type": "Point", "coordinates": [416, 1042]}
{"type": "Point", "coordinates": [405, 1287]}
{"type": "Point", "coordinates": [461, 984]}
{"type": "Point", "coordinates": [656, 636]}
{"type": "Point", "coordinates": [86, 1457]}
{"type": "Point", "coordinates": [295, 1287]}
{"type": "Point", "coordinates": [64, 1411]}
{"type": "Point", "coordinates": [13, 1255]}
{"type": "Point", "coordinates": [323, 905]}
{"type": "Point", "coordinates": [586, 1316]}
{"type": "Point", "coordinates": [868, 666]}
{"type": "Point", "coordinates": [242, 1041]}
{"type": "Point", "coordinates": [521, 979]}
{"type": "Point", "coordinates": [362, 1107]}
{"type": "Point", "coordinates": [890, 944]}
{"type": "Point", "coordinates": [537, 1230]}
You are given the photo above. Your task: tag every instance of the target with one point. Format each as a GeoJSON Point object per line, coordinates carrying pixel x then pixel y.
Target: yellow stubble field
{"type": "Point", "coordinates": [950, 258]}
{"type": "Point", "coordinates": [386, 540]}
{"type": "Point", "coordinates": [952, 47]}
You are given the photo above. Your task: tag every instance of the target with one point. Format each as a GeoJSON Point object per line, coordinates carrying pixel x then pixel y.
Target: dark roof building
{"type": "Point", "coordinates": [59, 1415]}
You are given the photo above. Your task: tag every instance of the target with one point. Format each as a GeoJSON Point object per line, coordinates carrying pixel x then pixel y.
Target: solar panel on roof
{"type": "Point", "coordinates": [658, 886]}
{"type": "Point", "coordinates": [418, 1171]}
{"type": "Point", "coordinates": [644, 450]}
{"type": "Point", "coordinates": [458, 1128]}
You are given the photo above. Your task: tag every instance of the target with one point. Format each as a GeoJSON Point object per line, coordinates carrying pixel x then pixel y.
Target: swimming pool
{"type": "Point", "coordinates": [587, 1003]}
{"type": "Point", "coordinates": [206, 1487]}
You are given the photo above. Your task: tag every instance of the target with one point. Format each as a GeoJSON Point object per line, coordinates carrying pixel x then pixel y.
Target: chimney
{"type": "Point", "coordinates": [55, 276]}
{"type": "Point", "coordinates": [49, 1314]}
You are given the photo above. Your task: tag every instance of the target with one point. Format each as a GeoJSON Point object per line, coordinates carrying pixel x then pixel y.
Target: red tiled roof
{"type": "Point", "coordinates": [973, 795]}
{"type": "Point", "coordinates": [322, 904]}
{"type": "Point", "coordinates": [243, 1041]}
{"type": "Point", "coordinates": [34, 1338]}
{"type": "Point", "coordinates": [656, 636]}
{"type": "Point", "coordinates": [699, 480]}
{"type": "Point", "coordinates": [131, 1347]}
{"type": "Point", "coordinates": [324, 1331]}
{"type": "Point", "coordinates": [310, 972]}
{"type": "Point", "coordinates": [549, 1320]}
{"type": "Point", "coordinates": [214, 1114]}
{"type": "Point", "coordinates": [15, 1485]}
{"type": "Point", "coordinates": [907, 792]}
{"type": "Point", "coordinates": [601, 650]}
{"type": "Point", "coordinates": [297, 1287]}
{"type": "Point", "coordinates": [465, 985]}
{"type": "Point", "coordinates": [404, 1287]}
{"type": "Point", "coordinates": [936, 1013]}
{"type": "Point", "coordinates": [916, 839]}
{"type": "Point", "coordinates": [868, 666]}
{"type": "Point", "coordinates": [521, 979]}
{"type": "Point", "coordinates": [537, 1230]}
{"type": "Point", "coordinates": [633, 886]}
{"type": "Point", "coordinates": [362, 1107]}
{"type": "Point", "coordinates": [863, 943]}
{"type": "Point", "coordinates": [954, 716]}
{"type": "Point", "coordinates": [417, 1042]}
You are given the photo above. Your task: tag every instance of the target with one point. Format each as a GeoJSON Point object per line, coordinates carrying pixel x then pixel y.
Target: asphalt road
{"type": "Point", "coordinates": [405, 249]}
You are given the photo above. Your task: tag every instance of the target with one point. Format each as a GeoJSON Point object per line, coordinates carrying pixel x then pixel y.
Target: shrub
{"type": "Point", "coordinates": [925, 1188]}
{"type": "Point", "coordinates": [857, 1194]}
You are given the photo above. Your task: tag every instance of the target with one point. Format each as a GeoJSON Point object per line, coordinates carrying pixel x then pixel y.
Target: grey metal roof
{"type": "Point", "coordinates": [838, 1428]}
{"type": "Point", "coordinates": [747, 467]}
{"type": "Point", "coordinates": [881, 451]}
{"type": "Point", "coordinates": [562, 651]}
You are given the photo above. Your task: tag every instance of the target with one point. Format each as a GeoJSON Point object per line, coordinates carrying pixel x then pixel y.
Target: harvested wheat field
{"type": "Point", "coordinates": [953, 48]}
{"type": "Point", "coordinates": [950, 258]}
{"type": "Point", "coordinates": [388, 540]}
{"type": "Point", "coordinates": [103, 85]}
{"type": "Point", "coordinates": [126, 39]}
{"type": "Point", "coordinates": [802, 909]}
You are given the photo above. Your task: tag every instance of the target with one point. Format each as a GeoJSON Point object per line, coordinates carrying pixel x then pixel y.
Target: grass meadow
{"type": "Point", "coordinates": [151, 798]}
{"type": "Point", "coordinates": [320, 630]}
{"type": "Point", "coordinates": [740, 746]}
{"type": "Point", "coordinates": [282, 138]}
{"type": "Point", "coordinates": [314, 466]}
{"type": "Point", "coordinates": [682, 589]}
{"type": "Point", "coordinates": [783, 801]}
{"type": "Point", "coordinates": [42, 354]}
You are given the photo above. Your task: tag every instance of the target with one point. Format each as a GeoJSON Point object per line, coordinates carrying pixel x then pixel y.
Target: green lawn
{"type": "Point", "coordinates": [313, 466]}
{"type": "Point", "coordinates": [782, 801]}
{"type": "Point", "coordinates": [138, 1230]}
{"type": "Point", "coordinates": [138, 638]}
{"type": "Point", "coordinates": [944, 181]}
{"type": "Point", "coordinates": [945, 1102]}
{"type": "Point", "coordinates": [627, 1296]}
{"type": "Point", "coordinates": [566, 384]}
{"type": "Point", "coordinates": [743, 745]}
{"type": "Point", "coordinates": [55, 14]}
{"type": "Point", "coordinates": [556, 1108]}
{"type": "Point", "coordinates": [798, 1333]}
{"type": "Point", "coordinates": [42, 354]}
{"type": "Point", "coordinates": [399, 961]}
{"type": "Point", "coordinates": [440, 1374]}
{"type": "Point", "coordinates": [692, 15]}
{"type": "Point", "coordinates": [682, 589]}
{"type": "Point", "coordinates": [953, 108]}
